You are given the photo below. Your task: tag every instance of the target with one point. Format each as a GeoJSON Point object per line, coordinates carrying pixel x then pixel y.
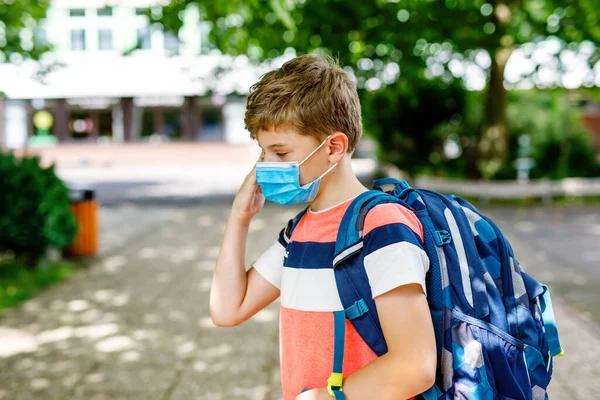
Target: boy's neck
{"type": "Point", "coordinates": [341, 184]}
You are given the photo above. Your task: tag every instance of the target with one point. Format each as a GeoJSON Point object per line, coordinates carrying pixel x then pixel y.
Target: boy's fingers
{"type": "Point", "coordinates": [251, 177]}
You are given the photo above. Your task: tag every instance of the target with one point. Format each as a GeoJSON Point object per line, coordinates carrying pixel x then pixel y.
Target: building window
{"type": "Point", "coordinates": [78, 39]}
{"type": "Point", "coordinates": [171, 43]}
{"type": "Point", "coordinates": [143, 38]}
{"type": "Point", "coordinates": [105, 39]}
{"type": "Point", "coordinates": [105, 12]}
{"type": "Point", "coordinates": [77, 12]}
{"type": "Point", "coordinates": [141, 11]}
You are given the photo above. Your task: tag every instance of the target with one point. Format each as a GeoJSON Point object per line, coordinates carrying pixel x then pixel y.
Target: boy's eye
{"type": "Point", "coordinates": [280, 155]}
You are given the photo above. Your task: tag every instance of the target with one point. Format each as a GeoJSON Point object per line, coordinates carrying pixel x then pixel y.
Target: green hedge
{"type": "Point", "coordinates": [19, 283]}
{"type": "Point", "coordinates": [35, 209]}
{"type": "Point", "coordinates": [560, 146]}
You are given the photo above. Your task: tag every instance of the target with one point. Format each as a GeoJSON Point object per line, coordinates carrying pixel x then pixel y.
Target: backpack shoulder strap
{"type": "Point", "coordinates": [286, 233]}
{"type": "Point", "coordinates": [349, 237]}
{"type": "Point", "coordinates": [350, 274]}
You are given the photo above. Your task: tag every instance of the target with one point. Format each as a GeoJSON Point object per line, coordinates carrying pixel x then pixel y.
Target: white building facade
{"type": "Point", "coordinates": [114, 76]}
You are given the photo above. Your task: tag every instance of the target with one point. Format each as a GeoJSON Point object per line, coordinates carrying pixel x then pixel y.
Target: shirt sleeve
{"type": "Point", "coordinates": [270, 263]}
{"type": "Point", "coordinates": [393, 249]}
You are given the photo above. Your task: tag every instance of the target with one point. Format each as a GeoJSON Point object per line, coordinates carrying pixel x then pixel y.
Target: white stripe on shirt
{"type": "Point", "coordinates": [395, 265]}
{"type": "Point", "coordinates": [310, 289]}
{"type": "Point", "coordinates": [270, 263]}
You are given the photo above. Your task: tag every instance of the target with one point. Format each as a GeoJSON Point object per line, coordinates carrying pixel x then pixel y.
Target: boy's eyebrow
{"type": "Point", "coordinates": [275, 146]}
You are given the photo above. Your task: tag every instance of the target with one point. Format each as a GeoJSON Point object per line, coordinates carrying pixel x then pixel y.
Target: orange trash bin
{"type": "Point", "coordinates": [85, 208]}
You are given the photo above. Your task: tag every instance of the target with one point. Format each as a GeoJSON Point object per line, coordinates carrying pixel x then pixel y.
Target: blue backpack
{"type": "Point", "coordinates": [494, 325]}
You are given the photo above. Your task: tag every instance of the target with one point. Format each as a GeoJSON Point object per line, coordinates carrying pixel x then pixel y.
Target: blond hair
{"type": "Point", "coordinates": [310, 94]}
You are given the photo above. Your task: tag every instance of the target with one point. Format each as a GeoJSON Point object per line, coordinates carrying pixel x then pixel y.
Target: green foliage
{"type": "Point", "coordinates": [560, 156]}
{"type": "Point", "coordinates": [410, 32]}
{"type": "Point", "coordinates": [402, 120]}
{"type": "Point", "coordinates": [18, 29]}
{"type": "Point", "coordinates": [380, 28]}
{"type": "Point", "coordinates": [560, 147]}
{"type": "Point", "coordinates": [35, 209]}
{"type": "Point", "coordinates": [19, 282]}
{"type": "Point", "coordinates": [419, 36]}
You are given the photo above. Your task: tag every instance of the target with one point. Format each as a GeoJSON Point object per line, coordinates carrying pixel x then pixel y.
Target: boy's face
{"type": "Point", "coordinates": [285, 144]}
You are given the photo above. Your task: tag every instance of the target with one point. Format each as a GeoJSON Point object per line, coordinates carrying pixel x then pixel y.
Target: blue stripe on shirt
{"type": "Point", "coordinates": [315, 255]}
{"type": "Point", "coordinates": [385, 235]}
{"type": "Point", "coordinates": [310, 255]}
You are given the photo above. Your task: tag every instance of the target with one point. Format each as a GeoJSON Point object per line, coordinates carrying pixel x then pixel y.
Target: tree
{"type": "Point", "coordinates": [403, 120]}
{"type": "Point", "coordinates": [423, 36]}
{"type": "Point", "coordinates": [19, 29]}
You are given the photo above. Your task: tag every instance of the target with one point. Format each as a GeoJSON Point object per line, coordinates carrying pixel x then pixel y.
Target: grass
{"type": "Point", "coordinates": [18, 283]}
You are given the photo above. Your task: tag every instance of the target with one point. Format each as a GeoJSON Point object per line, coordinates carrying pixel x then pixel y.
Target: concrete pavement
{"type": "Point", "coordinates": [559, 246]}
{"type": "Point", "coordinates": [563, 243]}
{"type": "Point", "coordinates": [135, 324]}
{"type": "Point", "coordinates": [174, 173]}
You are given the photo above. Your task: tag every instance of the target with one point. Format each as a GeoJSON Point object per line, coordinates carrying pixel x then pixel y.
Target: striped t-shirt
{"type": "Point", "coordinates": [394, 256]}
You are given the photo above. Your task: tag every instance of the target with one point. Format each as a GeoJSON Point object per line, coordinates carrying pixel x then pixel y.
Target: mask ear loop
{"type": "Point", "coordinates": [319, 178]}
{"type": "Point", "coordinates": [326, 172]}
{"type": "Point", "coordinates": [315, 150]}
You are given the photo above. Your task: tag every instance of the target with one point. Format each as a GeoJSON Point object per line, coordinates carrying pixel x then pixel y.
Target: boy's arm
{"type": "Point", "coordinates": [408, 368]}
{"type": "Point", "coordinates": [235, 294]}
{"type": "Point", "coordinates": [396, 273]}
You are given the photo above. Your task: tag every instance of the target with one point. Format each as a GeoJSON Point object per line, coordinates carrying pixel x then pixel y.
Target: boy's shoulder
{"type": "Point", "coordinates": [381, 216]}
{"type": "Point", "coordinates": [389, 214]}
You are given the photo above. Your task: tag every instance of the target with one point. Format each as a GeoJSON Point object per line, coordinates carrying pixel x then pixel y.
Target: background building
{"type": "Point", "coordinates": [113, 76]}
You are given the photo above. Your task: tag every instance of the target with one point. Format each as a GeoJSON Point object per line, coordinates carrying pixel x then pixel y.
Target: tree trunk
{"type": "Point", "coordinates": [494, 141]}
{"type": "Point", "coordinates": [493, 146]}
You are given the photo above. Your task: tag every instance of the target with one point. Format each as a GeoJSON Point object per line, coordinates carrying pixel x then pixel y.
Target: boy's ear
{"type": "Point", "coordinates": [338, 146]}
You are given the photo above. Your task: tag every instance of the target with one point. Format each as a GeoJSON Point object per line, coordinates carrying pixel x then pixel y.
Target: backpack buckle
{"type": "Point", "coordinates": [401, 189]}
{"type": "Point", "coordinates": [334, 383]}
{"type": "Point", "coordinates": [358, 309]}
{"type": "Point", "coordinates": [442, 237]}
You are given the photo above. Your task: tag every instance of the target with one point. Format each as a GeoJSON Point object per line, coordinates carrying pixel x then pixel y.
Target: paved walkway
{"type": "Point", "coordinates": [161, 173]}
{"type": "Point", "coordinates": [559, 246]}
{"type": "Point", "coordinates": [135, 325]}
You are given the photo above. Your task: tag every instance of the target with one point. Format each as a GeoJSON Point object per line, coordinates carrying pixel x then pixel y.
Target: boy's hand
{"type": "Point", "coordinates": [315, 394]}
{"type": "Point", "coordinates": [248, 201]}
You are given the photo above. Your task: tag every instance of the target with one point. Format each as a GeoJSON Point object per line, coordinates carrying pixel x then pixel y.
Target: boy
{"type": "Point", "coordinates": [306, 118]}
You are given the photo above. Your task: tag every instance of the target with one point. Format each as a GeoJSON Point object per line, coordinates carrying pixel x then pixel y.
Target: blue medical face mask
{"type": "Point", "coordinates": [280, 181]}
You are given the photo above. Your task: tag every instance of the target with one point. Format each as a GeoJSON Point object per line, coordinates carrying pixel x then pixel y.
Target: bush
{"type": "Point", "coordinates": [402, 117]}
{"type": "Point", "coordinates": [558, 144]}
{"type": "Point", "coordinates": [35, 209]}
{"type": "Point", "coordinates": [562, 156]}
{"type": "Point", "coordinates": [560, 147]}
